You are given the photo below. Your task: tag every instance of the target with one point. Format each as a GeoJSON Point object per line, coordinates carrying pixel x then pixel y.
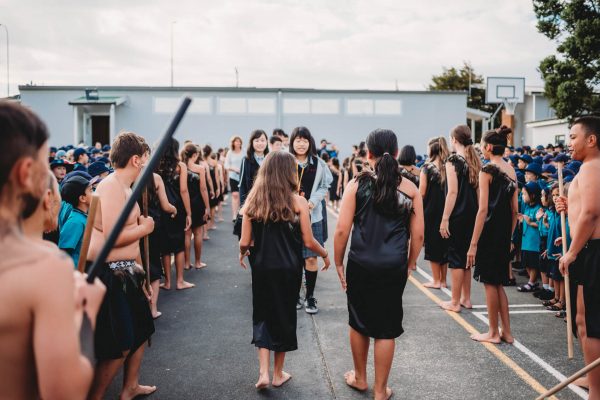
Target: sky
{"type": "Point", "coordinates": [325, 44]}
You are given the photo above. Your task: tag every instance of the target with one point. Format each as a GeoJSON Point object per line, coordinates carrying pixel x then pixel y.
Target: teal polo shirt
{"type": "Point", "coordinates": [71, 234]}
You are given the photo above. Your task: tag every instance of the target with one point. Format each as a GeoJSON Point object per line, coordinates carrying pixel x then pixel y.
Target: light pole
{"type": "Point", "coordinates": [7, 63]}
{"type": "Point", "coordinates": [172, 23]}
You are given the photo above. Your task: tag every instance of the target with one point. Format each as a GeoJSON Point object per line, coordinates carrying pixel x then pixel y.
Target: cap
{"type": "Point", "coordinates": [77, 173]}
{"type": "Point", "coordinates": [527, 158]}
{"type": "Point", "coordinates": [80, 167]}
{"type": "Point", "coordinates": [574, 165]}
{"type": "Point", "coordinates": [533, 188]}
{"type": "Point", "coordinates": [106, 147]}
{"type": "Point", "coordinates": [60, 154]}
{"type": "Point", "coordinates": [520, 179]}
{"type": "Point", "coordinates": [105, 160]}
{"type": "Point", "coordinates": [98, 167]}
{"type": "Point", "coordinates": [95, 151]}
{"type": "Point", "coordinates": [519, 149]}
{"type": "Point", "coordinates": [74, 187]}
{"type": "Point", "coordinates": [539, 147]}
{"type": "Point", "coordinates": [78, 152]}
{"type": "Point", "coordinates": [566, 172]}
{"type": "Point", "coordinates": [548, 169]}
{"type": "Point", "coordinates": [547, 158]}
{"type": "Point", "coordinates": [514, 159]}
{"type": "Point", "coordinates": [538, 160]}
{"type": "Point", "coordinates": [535, 168]}
{"type": "Point", "coordinates": [562, 157]}
{"type": "Point", "coordinates": [53, 149]}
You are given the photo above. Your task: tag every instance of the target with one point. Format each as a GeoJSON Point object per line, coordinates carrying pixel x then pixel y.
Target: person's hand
{"type": "Point", "coordinates": [310, 205]}
{"type": "Point", "coordinates": [558, 241]}
{"type": "Point", "coordinates": [540, 213]}
{"type": "Point", "coordinates": [88, 297]}
{"type": "Point", "coordinates": [340, 271]}
{"type": "Point", "coordinates": [147, 223]}
{"type": "Point", "coordinates": [411, 268]}
{"type": "Point", "coordinates": [520, 217]}
{"type": "Point", "coordinates": [242, 256]}
{"type": "Point", "coordinates": [212, 194]}
{"type": "Point", "coordinates": [565, 262]}
{"type": "Point", "coordinates": [173, 211]}
{"type": "Point", "coordinates": [526, 218]}
{"type": "Point", "coordinates": [471, 256]}
{"type": "Point", "coordinates": [561, 204]}
{"type": "Point", "coordinates": [327, 263]}
{"type": "Point", "coordinates": [544, 254]}
{"type": "Point", "coordinates": [206, 214]}
{"type": "Point", "coordinates": [147, 292]}
{"type": "Point", "coordinates": [444, 231]}
{"type": "Point", "coordinates": [512, 246]}
{"type": "Point", "coordinates": [188, 222]}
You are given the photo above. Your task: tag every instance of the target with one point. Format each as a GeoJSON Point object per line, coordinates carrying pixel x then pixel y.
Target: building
{"type": "Point", "coordinates": [76, 114]}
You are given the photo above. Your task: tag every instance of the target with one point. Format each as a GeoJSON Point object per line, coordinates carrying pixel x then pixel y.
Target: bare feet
{"type": "Point", "coordinates": [185, 285]}
{"type": "Point", "coordinates": [582, 382]}
{"type": "Point", "coordinates": [486, 337]}
{"type": "Point", "coordinates": [139, 390]}
{"type": "Point", "coordinates": [466, 304]}
{"type": "Point", "coordinates": [384, 396]}
{"type": "Point", "coordinates": [507, 337]}
{"type": "Point", "coordinates": [189, 266]}
{"type": "Point", "coordinates": [444, 285]}
{"type": "Point", "coordinates": [432, 285]}
{"type": "Point", "coordinates": [279, 380]}
{"type": "Point", "coordinates": [156, 315]}
{"type": "Point", "coordinates": [351, 381]}
{"type": "Point", "coordinates": [449, 306]}
{"type": "Point", "coordinates": [206, 238]}
{"type": "Point", "coordinates": [200, 266]}
{"type": "Point", "coordinates": [263, 381]}
{"type": "Point", "coordinates": [165, 286]}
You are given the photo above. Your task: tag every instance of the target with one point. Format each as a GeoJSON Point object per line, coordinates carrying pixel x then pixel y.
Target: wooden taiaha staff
{"type": "Point", "coordinates": [146, 240]}
{"type": "Point", "coordinates": [563, 228]}
{"type": "Point", "coordinates": [570, 380]}
{"type": "Point", "coordinates": [87, 234]}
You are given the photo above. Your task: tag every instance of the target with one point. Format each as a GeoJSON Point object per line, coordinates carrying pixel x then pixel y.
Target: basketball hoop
{"type": "Point", "coordinates": [510, 104]}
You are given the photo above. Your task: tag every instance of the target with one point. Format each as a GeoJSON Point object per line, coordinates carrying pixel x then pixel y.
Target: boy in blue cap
{"type": "Point", "coordinates": [77, 191]}
{"type": "Point", "coordinates": [81, 159]}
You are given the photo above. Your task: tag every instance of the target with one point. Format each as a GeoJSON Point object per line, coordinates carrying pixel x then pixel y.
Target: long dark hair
{"type": "Point", "coordinates": [167, 168]}
{"type": "Point", "coordinates": [383, 144]}
{"type": "Point", "coordinates": [498, 138]}
{"type": "Point", "coordinates": [255, 135]}
{"type": "Point", "coordinates": [438, 150]}
{"type": "Point", "coordinates": [462, 134]}
{"type": "Point", "coordinates": [304, 133]}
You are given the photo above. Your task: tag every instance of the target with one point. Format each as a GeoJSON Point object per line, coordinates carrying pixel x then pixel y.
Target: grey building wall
{"type": "Point", "coordinates": [344, 117]}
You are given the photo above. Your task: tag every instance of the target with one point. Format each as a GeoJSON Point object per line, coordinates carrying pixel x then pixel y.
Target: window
{"type": "Point", "coordinates": [296, 106]}
{"type": "Point", "coordinates": [325, 106]}
{"type": "Point", "coordinates": [201, 105]}
{"type": "Point", "coordinates": [168, 105]}
{"type": "Point", "coordinates": [359, 107]}
{"type": "Point", "coordinates": [261, 106]}
{"type": "Point", "coordinates": [558, 139]}
{"type": "Point", "coordinates": [388, 107]}
{"type": "Point", "coordinates": [232, 105]}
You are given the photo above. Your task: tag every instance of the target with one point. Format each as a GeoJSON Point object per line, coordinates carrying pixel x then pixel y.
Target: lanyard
{"type": "Point", "coordinates": [300, 178]}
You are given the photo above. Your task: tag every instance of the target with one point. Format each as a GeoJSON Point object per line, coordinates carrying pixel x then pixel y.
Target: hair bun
{"type": "Point", "coordinates": [504, 131]}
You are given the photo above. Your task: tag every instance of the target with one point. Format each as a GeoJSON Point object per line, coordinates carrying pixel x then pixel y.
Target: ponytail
{"type": "Point", "coordinates": [462, 134]}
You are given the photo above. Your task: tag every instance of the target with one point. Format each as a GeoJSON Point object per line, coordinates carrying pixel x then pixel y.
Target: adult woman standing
{"type": "Point", "coordinates": [233, 164]}
{"type": "Point", "coordinates": [460, 208]}
{"type": "Point", "coordinates": [198, 202]}
{"type": "Point", "coordinates": [174, 174]}
{"type": "Point", "coordinates": [386, 213]}
{"type": "Point", "coordinates": [432, 183]}
{"type": "Point", "coordinates": [496, 220]}
{"type": "Point", "coordinates": [276, 220]}
{"type": "Point", "coordinates": [314, 179]}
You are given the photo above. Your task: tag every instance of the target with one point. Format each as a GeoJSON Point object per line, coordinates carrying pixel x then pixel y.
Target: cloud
{"type": "Point", "coordinates": [322, 44]}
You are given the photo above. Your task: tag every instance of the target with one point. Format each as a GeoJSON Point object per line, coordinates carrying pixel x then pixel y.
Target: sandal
{"type": "Point", "coordinates": [561, 314]}
{"type": "Point", "coordinates": [527, 288]}
{"type": "Point", "coordinates": [550, 302]}
{"type": "Point", "coordinates": [555, 307]}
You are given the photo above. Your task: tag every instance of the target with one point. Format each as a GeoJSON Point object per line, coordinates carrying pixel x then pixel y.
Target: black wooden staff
{"type": "Point", "coordinates": [138, 187]}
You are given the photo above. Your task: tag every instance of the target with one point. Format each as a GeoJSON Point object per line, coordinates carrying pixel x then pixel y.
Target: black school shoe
{"type": "Point", "coordinates": [511, 282]}
{"type": "Point", "coordinates": [310, 305]}
{"type": "Point", "coordinates": [546, 295]}
{"type": "Point", "coordinates": [299, 304]}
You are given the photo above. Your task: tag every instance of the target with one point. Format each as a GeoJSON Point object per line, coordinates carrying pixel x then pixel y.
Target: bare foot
{"type": "Point", "coordinates": [139, 390]}
{"type": "Point", "coordinates": [206, 238]}
{"type": "Point", "coordinates": [486, 337]}
{"type": "Point", "coordinates": [156, 315]}
{"type": "Point", "coordinates": [432, 285]}
{"type": "Point", "coordinates": [263, 381]}
{"type": "Point", "coordinates": [445, 285]}
{"type": "Point", "coordinates": [280, 380]}
{"type": "Point", "coordinates": [185, 285]}
{"type": "Point", "coordinates": [507, 337]}
{"type": "Point", "coordinates": [165, 286]}
{"type": "Point", "coordinates": [351, 381]}
{"type": "Point", "coordinates": [582, 382]}
{"type": "Point", "coordinates": [200, 266]}
{"type": "Point", "coordinates": [388, 394]}
{"type": "Point", "coordinates": [448, 306]}
{"type": "Point", "coordinates": [466, 304]}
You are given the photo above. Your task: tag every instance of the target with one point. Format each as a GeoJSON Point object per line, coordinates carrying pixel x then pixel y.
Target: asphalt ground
{"type": "Point", "coordinates": [201, 348]}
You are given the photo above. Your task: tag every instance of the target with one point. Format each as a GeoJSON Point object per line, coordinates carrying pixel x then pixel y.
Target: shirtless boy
{"type": "Point", "coordinates": [583, 258]}
{"type": "Point", "coordinates": [41, 300]}
{"type": "Point", "coordinates": [124, 321]}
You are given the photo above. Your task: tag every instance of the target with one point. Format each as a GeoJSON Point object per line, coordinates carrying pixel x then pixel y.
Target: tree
{"type": "Point", "coordinates": [571, 79]}
{"type": "Point", "coordinates": [453, 79]}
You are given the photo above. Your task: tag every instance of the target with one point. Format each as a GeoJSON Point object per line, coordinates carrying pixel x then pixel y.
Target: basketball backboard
{"type": "Point", "coordinates": [505, 90]}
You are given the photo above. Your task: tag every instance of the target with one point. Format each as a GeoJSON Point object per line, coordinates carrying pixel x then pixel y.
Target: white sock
{"type": "Point", "coordinates": [546, 286]}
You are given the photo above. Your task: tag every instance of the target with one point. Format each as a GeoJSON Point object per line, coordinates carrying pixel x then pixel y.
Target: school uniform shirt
{"type": "Point", "coordinates": [65, 211]}
{"type": "Point", "coordinates": [71, 234]}
{"type": "Point", "coordinates": [531, 235]}
{"type": "Point", "coordinates": [541, 227]}
{"type": "Point", "coordinates": [555, 231]}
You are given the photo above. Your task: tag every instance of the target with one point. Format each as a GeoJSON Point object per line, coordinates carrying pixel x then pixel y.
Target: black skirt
{"type": "Point", "coordinates": [375, 300]}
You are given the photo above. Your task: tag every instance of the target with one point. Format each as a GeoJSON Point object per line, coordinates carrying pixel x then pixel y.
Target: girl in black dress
{"type": "Point", "coordinates": [385, 213]}
{"type": "Point", "coordinates": [408, 161]}
{"type": "Point", "coordinates": [174, 174]}
{"type": "Point", "coordinates": [432, 184]}
{"type": "Point", "coordinates": [275, 225]}
{"type": "Point", "coordinates": [496, 219]}
{"type": "Point", "coordinates": [198, 203]}
{"type": "Point", "coordinates": [460, 208]}
{"type": "Point", "coordinates": [334, 189]}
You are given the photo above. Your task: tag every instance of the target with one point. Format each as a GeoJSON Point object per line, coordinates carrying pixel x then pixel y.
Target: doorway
{"type": "Point", "coordinates": [100, 129]}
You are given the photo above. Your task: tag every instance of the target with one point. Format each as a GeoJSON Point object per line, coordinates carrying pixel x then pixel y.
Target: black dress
{"type": "Point", "coordinates": [215, 200]}
{"type": "Point", "coordinates": [277, 262]}
{"type": "Point", "coordinates": [173, 234]}
{"type": "Point", "coordinates": [333, 196]}
{"type": "Point", "coordinates": [196, 201]}
{"type": "Point", "coordinates": [493, 248]}
{"type": "Point", "coordinates": [154, 239]}
{"type": "Point", "coordinates": [436, 247]}
{"type": "Point", "coordinates": [377, 266]}
{"type": "Point", "coordinates": [462, 219]}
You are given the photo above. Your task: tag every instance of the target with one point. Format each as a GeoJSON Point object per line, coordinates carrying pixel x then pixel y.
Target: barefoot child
{"type": "Point", "coordinates": [277, 220]}
{"type": "Point", "coordinates": [584, 253]}
{"type": "Point", "coordinates": [385, 213]}
{"type": "Point", "coordinates": [489, 251]}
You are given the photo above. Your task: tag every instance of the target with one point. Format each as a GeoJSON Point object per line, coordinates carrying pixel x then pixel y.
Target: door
{"type": "Point", "coordinates": [100, 129]}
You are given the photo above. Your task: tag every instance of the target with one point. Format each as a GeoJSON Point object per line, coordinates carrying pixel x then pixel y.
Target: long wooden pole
{"type": "Point", "coordinates": [146, 239]}
{"type": "Point", "coordinates": [87, 234]}
{"type": "Point", "coordinates": [569, 380]}
{"type": "Point", "coordinates": [563, 228]}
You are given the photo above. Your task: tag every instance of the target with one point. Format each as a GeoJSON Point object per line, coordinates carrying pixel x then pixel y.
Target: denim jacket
{"type": "Point", "coordinates": [323, 179]}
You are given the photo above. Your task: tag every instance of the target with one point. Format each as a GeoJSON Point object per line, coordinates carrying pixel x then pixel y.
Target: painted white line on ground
{"type": "Point", "coordinates": [429, 278]}
{"type": "Point", "coordinates": [534, 357]}
{"type": "Point", "coordinates": [511, 305]}
{"type": "Point", "coordinates": [521, 312]}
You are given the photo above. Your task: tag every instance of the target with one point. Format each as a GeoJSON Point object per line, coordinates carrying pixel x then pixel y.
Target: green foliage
{"type": "Point", "coordinates": [572, 79]}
